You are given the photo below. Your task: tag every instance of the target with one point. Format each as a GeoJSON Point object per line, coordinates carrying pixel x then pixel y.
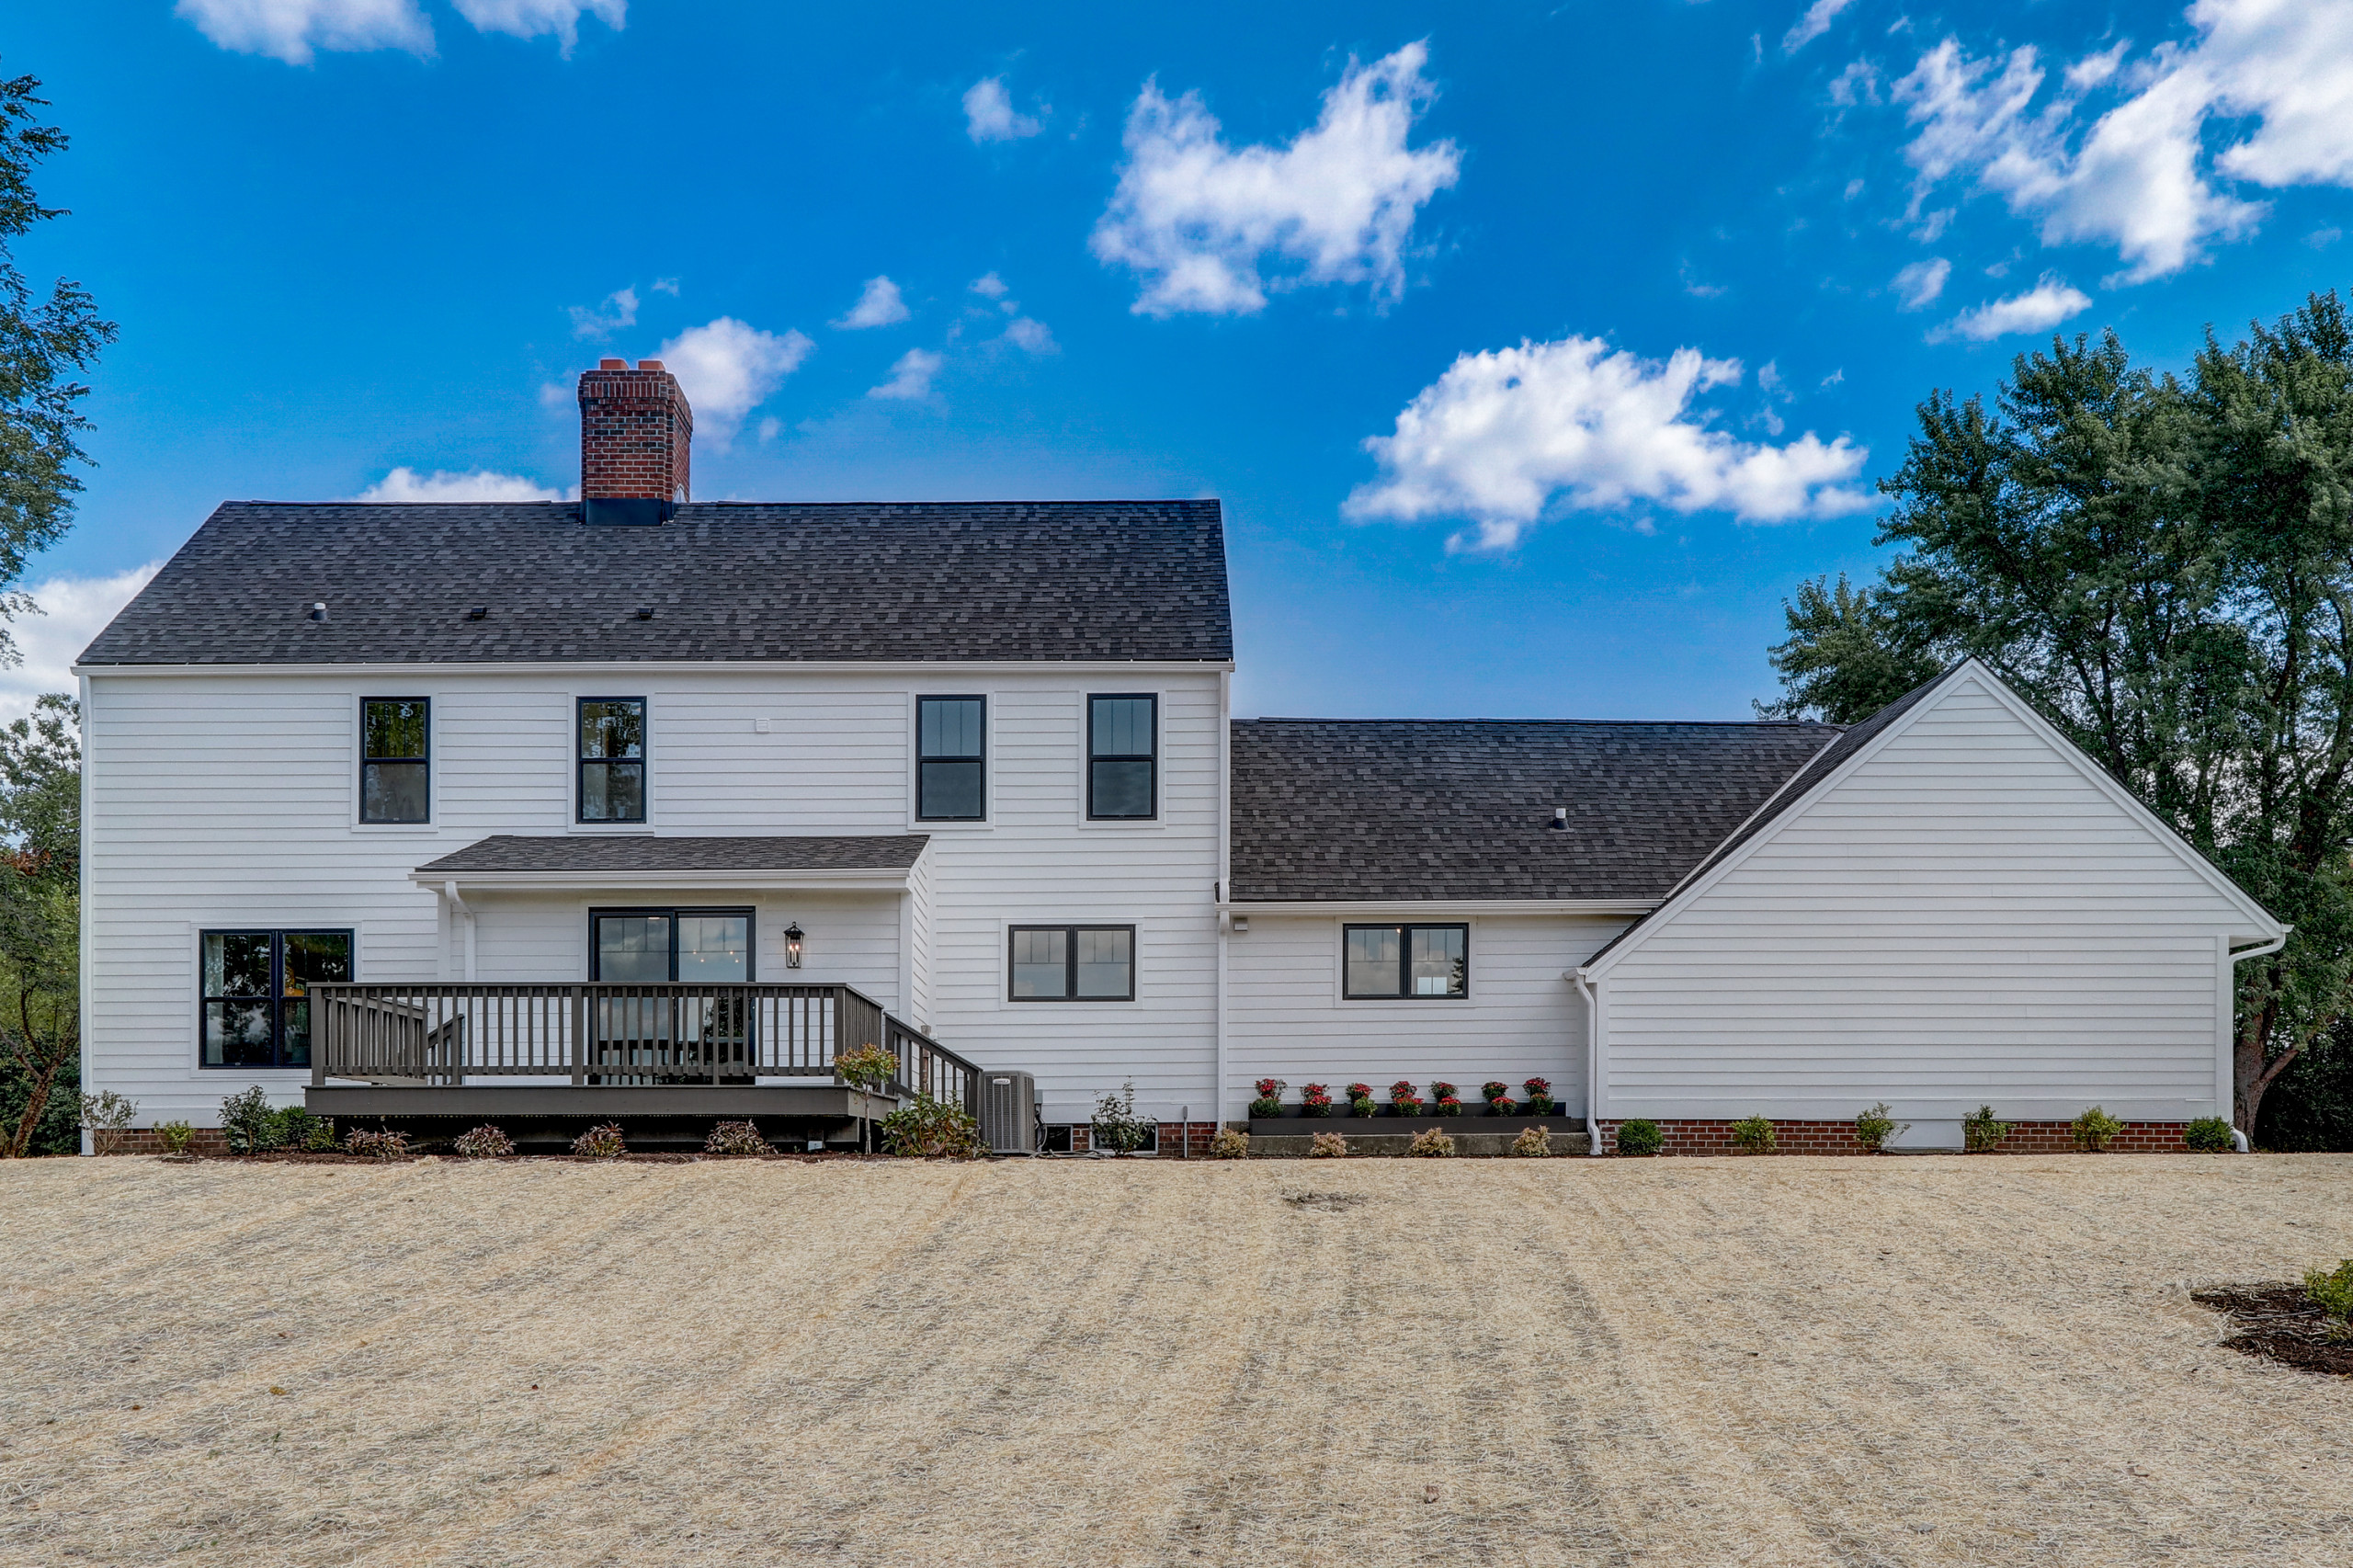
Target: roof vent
{"type": "Point", "coordinates": [318, 612]}
{"type": "Point", "coordinates": [1560, 823]}
{"type": "Point", "coordinates": [480, 612]}
{"type": "Point", "coordinates": [645, 612]}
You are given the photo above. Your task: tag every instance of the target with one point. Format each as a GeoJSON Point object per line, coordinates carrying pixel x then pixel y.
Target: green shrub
{"type": "Point", "coordinates": [378, 1145]}
{"type": "Point", "coordinates": [107, 1114]}
{"type": "Point", "coordinates": [293, 1127]}
{"type": "Point", "coordinates": [1753, 1135]}
{"type": "Point", "coordinates": [929, 1129]}
{"type": "Point", "coordinates": [1533, 1142]}
{"type": "Point", "coordinates": [1639, 1137]}
{"type": "Point", "coordinates": [1874, 1127]}
{"type": "Point", "coordinates": [602, 1141]}
{"type": "Point", "coordinates": [248, 1123]}
{"type": "Point", "coordinates": [484, 1142]}
{"type": "Point", "coordinates": [2331, 1290]}
{"type": "Point", "coordinates": [2095, 1129]}
{"type": "Point", "coordinates": [1979, 1133]}
{"type": "Point", "coordinates": [1116, 1128]}
{"type": "Point", "coordinates": [1432, 1144]}
{"type": "Point", "coordinates": [2208, 1135]}
{"type": "Point", "coordinates": [870, 1067]}
{"type": "Point", "coordinates": [1327, 1146]}
{"type": "Point", "coordinates": [176, 1137]}
{"type": "Point", "coordinates": [736, 1137]}
{"type": "Point", "coordinates": [1363, 1106]}
{"type": "Point", "coordinates": [1230, 1145]}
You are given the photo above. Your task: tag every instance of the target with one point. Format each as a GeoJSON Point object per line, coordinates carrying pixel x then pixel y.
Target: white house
{"type": "Point", "coordinates": [644, 808]}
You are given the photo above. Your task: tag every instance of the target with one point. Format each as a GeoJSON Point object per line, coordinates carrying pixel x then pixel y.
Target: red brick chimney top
{"type": "Point", "coordinates": [636, 438]}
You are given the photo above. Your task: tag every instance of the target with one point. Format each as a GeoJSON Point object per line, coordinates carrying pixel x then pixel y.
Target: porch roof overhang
{"type": "Point", "coordinates": [880, 863]}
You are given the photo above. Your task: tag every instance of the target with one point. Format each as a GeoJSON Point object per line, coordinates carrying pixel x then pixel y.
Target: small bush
{"type": "Point", "coordinates": [248, 1122]}
{"type": "Point", "coordinates": [484, 1142]}
{"type": "Point", "coordinates": [1874, 1127]}
{"type": "Point", "coordinates": [1315, 1099]}
{"type": "Point", "coordinates": [378, 1145]}
{"type": "Point", "coordinates": [1327, 1146]}
{"type": "Point", "coordinates": [107, 1114]}
{"type": "Point", "coordinates": [929, 1129]}
{"type": "Point", "coordinates": [1538, 1088]}
{"type": "Point", "coordinates": [870, 1067]}
{"type": "Point", "coordinates": [1494, 1089]}
{"type": "Point", "coordinates": [1501, 1106]}
{"type": "Point", "coordinates": [2208, 1135]}
{"type": "Point", "coordinates": [602, 1141]}
{"type": "Point", "coordinates": [1639, 1136]}
{"type": "Point", "coordinates": [1533, 1142]}
{"type": "Point", "coordinates": [176, 1137]}
{"type": "Point", "coordinates": [1448, 1105]}
{"type": "Point", "coordinates": [1117, 1128]}
{"type": "Point", "coordinates": [736, 1137]}
{"type": "Point", "coordinates": [1270, 1097]}
{"type": "Point", "coordinates": [1979, 1133]}
{"type": "Point", "coordinates": [1439, 1091]}
{"type": "Point", "coordinates": [1403, 1100]}
{"type": "Point", "coordinates": [1229, 1143]}
{"type": "Point", "coordinates": [1753, 1135]}
{"type": "Point", "coordinates": [2096, 1129]}
{"type": "Point", "coordinates": [1360, 1092]}
{"type": "Point", "coordinates": [1432, 1144]}
{"type": "Point", "coordinates": [2331, 1290]}
{"type": "Point", "coordinates": [1362, 1106]}
{"type": "Point", "coordinates": [295, 1127]}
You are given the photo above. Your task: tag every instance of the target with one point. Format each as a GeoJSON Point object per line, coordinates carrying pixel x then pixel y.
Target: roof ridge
{"type": "Point", "coordinates": [1692, 723]}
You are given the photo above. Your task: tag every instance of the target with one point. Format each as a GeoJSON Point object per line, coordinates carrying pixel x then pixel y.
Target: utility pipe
{"type": "Point", "coordinates": [450, 892]}
{"type": "Point", "coordinates": [1592, 1058]}
{"type": "Point", "coordinates": [2239, 1144]}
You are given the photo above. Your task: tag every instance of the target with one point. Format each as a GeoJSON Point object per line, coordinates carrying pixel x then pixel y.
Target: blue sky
{"type": "Point", "coordinates": [1536, 352]}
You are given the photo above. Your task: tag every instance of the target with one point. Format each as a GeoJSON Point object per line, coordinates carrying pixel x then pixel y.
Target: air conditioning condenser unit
{"type": "Point", "coordinates": [1009, 1112]}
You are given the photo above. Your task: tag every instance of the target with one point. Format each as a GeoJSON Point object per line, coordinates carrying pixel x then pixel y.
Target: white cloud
{"type": "Point", "coordinates": [989, 286]}
{"type": "Point", "coordinates": [2138, 176]}
{"type": "Point", "coordinates": [910, 376]}
{"type": "Point", "coordinates": [407, 485]}
{"type": "Point", "coordinates": [292, 30]}
{"type": "Point", "coordinates": [1198, 219]}
{"type": "Point", "coordinates": [1859, 84]}
{"type": "Point", "coordinates": [73, 611]}
{"type": "Point", "coordinates": [618, 309]}
{"type": "Point", "coordinates": [727, 369]}
{"type": "Point", "coordinates": [877, 305]}
{"type": "Point", "coordinates": [989, 114]}
{"type": "Point", "coordinates": [1919, 284]}
{"type": "Point", "coordinates": [529, 18]}
{"type": "Point", "coordinates": [2044, 306]}
{"type": "Point", "coordinates": [1813, 24]}
{"type": "Point", "coordinates": [1026, 332]}
{"type": "Point", "coordinates": [666, 286]}
{"type": "Point", "coordinates": [1504, 436]}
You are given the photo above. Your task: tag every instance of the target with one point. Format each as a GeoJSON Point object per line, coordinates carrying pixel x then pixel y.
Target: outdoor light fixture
{"type": "Point", "coordinates": [792, 946]}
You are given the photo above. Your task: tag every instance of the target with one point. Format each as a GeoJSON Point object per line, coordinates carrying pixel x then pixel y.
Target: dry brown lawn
{"type": "Point", "coordinates": [1914, 1361]}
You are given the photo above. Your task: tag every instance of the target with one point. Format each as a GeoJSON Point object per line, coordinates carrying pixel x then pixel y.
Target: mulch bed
{"type": "Point", "coordinates": [2280, 1323]}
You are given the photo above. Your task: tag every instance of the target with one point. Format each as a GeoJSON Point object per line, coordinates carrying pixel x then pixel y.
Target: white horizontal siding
{"type": "Point", "coordinates": [1523, 1018]}
{"type": "Point", "coordinates": [1965, 919]}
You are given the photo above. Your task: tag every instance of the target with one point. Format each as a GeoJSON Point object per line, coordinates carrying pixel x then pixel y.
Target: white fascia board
{"type": "Point", "coordinates": [893, 879]}
{"type": "Point", "coordinates": [683, 666]}
{"type": "Point", "coordinates": [1417, 907]}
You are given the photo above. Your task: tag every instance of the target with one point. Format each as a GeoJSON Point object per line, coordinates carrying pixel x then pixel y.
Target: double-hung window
{"type": "Point", "coordinates": [612, 759]}
{"type": "Point", "coordinates": [396, 767]}
{"type": "Point", "coordinates": [1122, 757]}
{"type": "Point", "coordinates": [951, 758]}
{"type": "Point", "coordinates": [256, 1002]}
{"type": "Point", "coordinates": [1416, 962]}
{"type": "Point", "coordinates": [1073, 963]}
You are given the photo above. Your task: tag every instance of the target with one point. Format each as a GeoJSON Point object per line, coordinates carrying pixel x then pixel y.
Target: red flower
{"type": "Point", "coordinates": [1271, 1089]}
{"type": "Point", "coordinates": [1359, 1091]}
{"type": "Point", "coordinates": [1536, 1086]}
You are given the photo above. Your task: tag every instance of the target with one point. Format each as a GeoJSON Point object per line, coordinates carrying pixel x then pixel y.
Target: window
{"type": "Point", "coordinates": [395, 775]}
{"type": "Point", "coordinates": [950, 762]}
{"type": "Point", "coordinates": [1121, 756]}
{"type": "Point", "coordinates": [1407, 961]}
{"type": "Point", "coordinates": [256, 985]}
{"type": "Point", "coordinates": [612, 759]}
{"type": "Point", "coordinates": [656, 947]}
{"type": "Point", "coordinates": [1073, 963]}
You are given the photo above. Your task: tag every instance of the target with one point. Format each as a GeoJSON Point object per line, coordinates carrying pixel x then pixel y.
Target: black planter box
{"type": "Point", "coordinates": [1476, 1123]}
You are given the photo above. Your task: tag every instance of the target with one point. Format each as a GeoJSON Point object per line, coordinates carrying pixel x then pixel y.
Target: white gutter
{"type": "Point", "coordinates": [1422, 906]}
{"type": "Point", "coordinates": [888, 880]}
{"type": "Point", "coordinates": [2238, 1138]}
{"type": "Point", "coordinates": [450, 892]}
{"type": "Point", "coordinates": [1592, 1058]}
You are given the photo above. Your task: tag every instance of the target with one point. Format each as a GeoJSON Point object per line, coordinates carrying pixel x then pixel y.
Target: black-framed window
{"type": "Point", "coordinates": [657, 947]}
{"type": "Point", "coordinates": [951, 758]}
{"type": "Point", "coordinates": [395, 762]}
{"type": "Point", "coordinates": [1411, 962]}
{"type": "Point", "coordinates": [1122, 757]}
{"type": "Point", "coordinates": [255, 1002]}
{"type": "Point", "coordinates": [1071, 963]}
{"type": "Point", "coordinates": [612, 759]}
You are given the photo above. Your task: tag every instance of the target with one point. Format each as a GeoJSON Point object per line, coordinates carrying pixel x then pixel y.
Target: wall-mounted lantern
{"type": "Point", "coordinates": [792, 935]}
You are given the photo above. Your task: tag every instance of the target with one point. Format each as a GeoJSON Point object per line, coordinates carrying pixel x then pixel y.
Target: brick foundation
{"type": "Point", "coordinates": [1839, 1138]}
{"type": "Point", "coordinates": [1178, 1140]}
{"type": "Point", "coordinates": [147, 1140]}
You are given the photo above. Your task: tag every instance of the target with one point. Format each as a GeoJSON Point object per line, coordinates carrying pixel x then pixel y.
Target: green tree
{"type": "Point", "coordinates": [41, 1037]}
{"type": "Point", "coordinates": [2163, 566]}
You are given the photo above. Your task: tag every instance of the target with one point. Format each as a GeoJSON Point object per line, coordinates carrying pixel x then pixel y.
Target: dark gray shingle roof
{"type": "Point", "coordinates": [634, 852]}
{"type": "Point", "coordinates": [1332, 809]}
{"type": "Point", "coordinates": [912, 580]}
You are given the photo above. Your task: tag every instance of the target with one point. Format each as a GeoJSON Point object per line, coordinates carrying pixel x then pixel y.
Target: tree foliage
{"type": "Point", "coordinates": [2163, 566]}
{"type": "Point", "coordinates": [41, 808]}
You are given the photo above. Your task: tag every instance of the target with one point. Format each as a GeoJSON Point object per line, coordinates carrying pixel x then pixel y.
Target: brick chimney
{"type": "Point", "coordinates": [636, 438]}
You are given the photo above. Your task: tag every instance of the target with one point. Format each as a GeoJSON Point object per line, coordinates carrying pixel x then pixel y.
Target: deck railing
{"type": "Point", "coordinates": [451, 1032]}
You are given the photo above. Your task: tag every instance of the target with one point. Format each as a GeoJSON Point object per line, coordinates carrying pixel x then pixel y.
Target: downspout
{"type": "Point", "coordinates": [1592, 1059]}
{"type": "Point", "coordinates": [86, 969]}
{"type": "Point", "coordinates": [2238, 1138]}
{"type": "Point", "coordinates": [450, 892]}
